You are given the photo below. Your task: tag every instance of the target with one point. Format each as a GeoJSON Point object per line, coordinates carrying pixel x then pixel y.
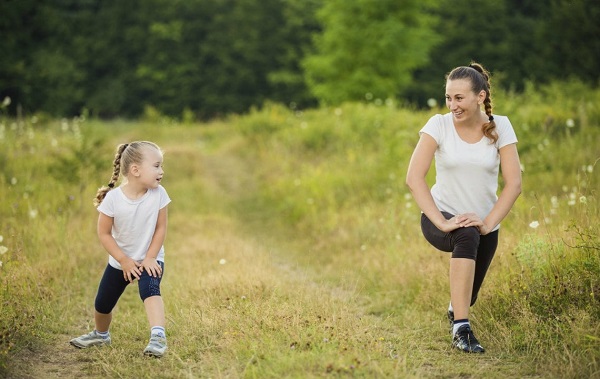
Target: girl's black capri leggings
{"type": "Point", "coordinates": [112, 285]}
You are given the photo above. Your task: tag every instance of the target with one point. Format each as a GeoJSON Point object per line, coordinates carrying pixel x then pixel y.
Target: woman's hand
{"type": "Point", "coordinates": [152, 267]}
{"type": "Point", "coordinates": [471, 219]}
{"type": "Point", "coordinates": [131, 269]}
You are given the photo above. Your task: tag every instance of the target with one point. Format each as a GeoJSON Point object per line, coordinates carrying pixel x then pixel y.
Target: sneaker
{"type": "Point", "coordinates": [451, 319]}
{"type": "Point", "coordinates": [465, 340]}
{"type": "Point", "coordinates": [156, 347]}
{"type": "Point", "coordinates": [89, 340]}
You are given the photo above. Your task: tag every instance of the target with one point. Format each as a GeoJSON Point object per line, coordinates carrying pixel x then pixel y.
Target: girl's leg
{"type": "Point", "coordinates": [155, 310]}
{"type": "Point", "coordinates": [149, 288]}
{"type": "Point", "coordinates": [112, 285]}
{"type": "Point", "coordinates": [102, 321]}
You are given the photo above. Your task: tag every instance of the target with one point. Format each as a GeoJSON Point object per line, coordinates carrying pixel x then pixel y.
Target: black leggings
{"type": "Point", "coordinates": [113, 284]}
{"type": "Point", "coordinates": [464, 243]}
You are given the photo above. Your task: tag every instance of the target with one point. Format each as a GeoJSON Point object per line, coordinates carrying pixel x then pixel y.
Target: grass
{"type": "Point", "coordinates": [294, 250]}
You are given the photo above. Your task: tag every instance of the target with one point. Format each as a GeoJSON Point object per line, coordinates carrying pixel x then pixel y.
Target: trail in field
{"type": "Point", "coordinates": [225, 178]}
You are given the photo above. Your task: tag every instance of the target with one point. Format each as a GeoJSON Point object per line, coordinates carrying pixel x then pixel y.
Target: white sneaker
{"type": "Point", "coordinates": [156, 347]}
{"type": "Point", "coordinates": [89, 340]}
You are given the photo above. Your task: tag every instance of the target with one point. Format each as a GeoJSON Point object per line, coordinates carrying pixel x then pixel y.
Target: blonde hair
{"type": "Point", "coordinates": [480, 81]}
{"type": "Point", "coordinates": [127, 154]}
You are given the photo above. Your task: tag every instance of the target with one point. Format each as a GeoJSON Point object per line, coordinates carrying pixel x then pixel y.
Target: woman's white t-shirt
{"type": "Point", "coordinates": [134, 221]}
{"type": "Point", "coordinates": [466, 173]}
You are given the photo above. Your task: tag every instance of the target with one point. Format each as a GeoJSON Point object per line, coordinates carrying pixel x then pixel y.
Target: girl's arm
{"type": "Point", "coordinates": [511, 174]}
{"type": "Point", "coordinates": [419, 165]}
{"type": "Point", "coordinates": [160, 233]}
{"type": "Point", "coordinates": [130, 267]}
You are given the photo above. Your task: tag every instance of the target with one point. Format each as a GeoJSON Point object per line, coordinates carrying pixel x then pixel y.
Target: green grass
{"type": "Point", "coordinates": [325, 272]}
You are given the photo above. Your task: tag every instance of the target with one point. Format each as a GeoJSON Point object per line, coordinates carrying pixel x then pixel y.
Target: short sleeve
{"type": "Point", "coordinates": [107, 206]}
{"type": "Point", "coordinates": [506, 133]}
{"type": "Point", "coordinates": [433, 127]}
{"type": "Point", "coordinates": [164, 197]}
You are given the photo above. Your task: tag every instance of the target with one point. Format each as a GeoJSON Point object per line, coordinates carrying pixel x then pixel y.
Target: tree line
{"type": "Point", "coordinates": [214, 57]}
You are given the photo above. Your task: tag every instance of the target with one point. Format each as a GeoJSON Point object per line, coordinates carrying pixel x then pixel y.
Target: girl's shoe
{"type": "Point", "coordinates": [89, 340]}
{"type": "Point", "coordinates": [156, 347]}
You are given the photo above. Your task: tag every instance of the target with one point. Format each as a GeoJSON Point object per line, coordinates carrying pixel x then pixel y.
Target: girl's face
{"type": "Point", "coordinates": [462, 101]}
{"type": "Point", "coordinates": [150, 171]}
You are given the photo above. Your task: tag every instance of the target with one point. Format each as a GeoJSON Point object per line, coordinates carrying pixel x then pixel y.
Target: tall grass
{"type": "Point", "coordinates": [294, 248]}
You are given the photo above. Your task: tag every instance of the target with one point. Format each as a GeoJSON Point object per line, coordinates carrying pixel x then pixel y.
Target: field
{"type": "Point", "coordinates": [294, 248]}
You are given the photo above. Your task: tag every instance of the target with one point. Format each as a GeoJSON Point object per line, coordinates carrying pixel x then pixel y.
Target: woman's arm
{"type": "Point", "coordinates": [419, 165]}
{"type": "Point", "coordinates": [511, 174]}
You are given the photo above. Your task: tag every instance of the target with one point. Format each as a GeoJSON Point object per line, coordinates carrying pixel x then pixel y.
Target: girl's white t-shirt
{"type": "Point", "coordinates": [134, 221]}
{"type": "Point", "coordinates": [466, 173]}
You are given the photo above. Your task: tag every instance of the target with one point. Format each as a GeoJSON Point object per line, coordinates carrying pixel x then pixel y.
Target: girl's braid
{"type": "Point", "coordinates": [101, 194]}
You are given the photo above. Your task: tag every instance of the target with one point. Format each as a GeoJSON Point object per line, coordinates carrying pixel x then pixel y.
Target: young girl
{"type": "Point", "coordinates": [462, 213]}
{"type": "Point", "coordinates": [132, 225]}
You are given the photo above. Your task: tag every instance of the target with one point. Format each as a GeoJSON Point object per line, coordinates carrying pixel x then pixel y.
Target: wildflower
{"type": "Point", "coordinates": [222, 261]}
{"type": "Point", "coordinates": [583, 200]}
{"type": "Point", "coordinates": [432, 103]}
{"type": "Point", "coordinates": [590, 168]}
{"type": "Point", "coordinates": [3, 250]}
{"type": "Point", "coordinates": [0, 263]}
{"type": "Point", "coordinates": [534, 224]}
{"type": "Point", "coordinates": [570, 123]}
{"type": "Point", "coordinates": [6, 102]}
{"type": "Point", "coordinates": [338, 111]}
{"type": "Point", "coordinates": [33, 213]}
{"type": "Point", "coordinates": [1, 238]}
{"type": "Point", "coordinates": [369, 96]}
{"type": "Point", "coordinates": [13, 181]}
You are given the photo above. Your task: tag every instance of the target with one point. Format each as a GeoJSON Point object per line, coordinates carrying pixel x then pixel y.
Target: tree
{"type": "Point", "coordinates": [368, 47]}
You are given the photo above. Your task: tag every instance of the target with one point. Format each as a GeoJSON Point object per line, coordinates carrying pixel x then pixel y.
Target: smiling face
{"type": "Point", "coordinates": [462, 101]}
{"type": "Point", "coordinates": [150, 171]}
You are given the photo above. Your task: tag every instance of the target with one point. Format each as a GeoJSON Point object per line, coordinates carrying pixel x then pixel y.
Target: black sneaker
{"type": "Point", "coordinates": [451, 319]}
{"type": "Point", "coordinates": [465, 340]}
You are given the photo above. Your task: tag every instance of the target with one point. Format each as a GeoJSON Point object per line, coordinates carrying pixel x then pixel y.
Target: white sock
{"type": "Point", "coordinates": [103, 334]}
{"type": "Point", "coordinates": [457, 324]}
{"type": "Point", "coordinates": [158, 331]}
{"type": "Point", "coordinates": [450, 309]}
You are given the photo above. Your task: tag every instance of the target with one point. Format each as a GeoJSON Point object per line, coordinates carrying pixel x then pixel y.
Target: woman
{"type": "Point", "coordinates": [462, 212]}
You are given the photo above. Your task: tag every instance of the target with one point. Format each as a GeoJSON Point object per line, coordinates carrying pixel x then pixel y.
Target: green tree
{"type": "Point", "coordinates": [368, 46]}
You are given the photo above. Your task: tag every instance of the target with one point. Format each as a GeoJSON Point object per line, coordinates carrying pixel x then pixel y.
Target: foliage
{"type": "Point", "coordinates": [367, 48]}
{"type": "Point", "coordinates": [202, 59]}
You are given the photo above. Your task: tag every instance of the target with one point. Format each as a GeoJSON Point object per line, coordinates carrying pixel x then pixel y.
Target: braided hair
{"type": "Point", "coordinates": [480, 80]}
{"type": "Point", "coordinates": [127, 154]}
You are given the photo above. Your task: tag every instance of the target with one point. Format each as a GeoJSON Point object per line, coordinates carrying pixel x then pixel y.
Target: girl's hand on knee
{"type": "Point", "coordinates": [152, 267]}
{"type": "Point", "coordinates": [131, 270]}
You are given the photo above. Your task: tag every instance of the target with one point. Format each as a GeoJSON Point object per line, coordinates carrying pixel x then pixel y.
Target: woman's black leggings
{"type": "Point", "coordinates": [464, 243]}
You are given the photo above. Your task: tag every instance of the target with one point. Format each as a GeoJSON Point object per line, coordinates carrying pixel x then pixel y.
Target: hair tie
{"type": "Point", "coordinates": [491, 118]}
{"type": "Point", "coordinates": [111, 185]}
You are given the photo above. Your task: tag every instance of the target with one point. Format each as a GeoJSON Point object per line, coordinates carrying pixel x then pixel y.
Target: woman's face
{"type": "Point", "coordinates": [462, 101]}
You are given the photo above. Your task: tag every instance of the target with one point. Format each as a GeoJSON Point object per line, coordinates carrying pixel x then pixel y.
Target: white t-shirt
{"type": "Point", "coordinates": [134, 221]}
{"type": "Point", "coordinates": [466, 173]}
